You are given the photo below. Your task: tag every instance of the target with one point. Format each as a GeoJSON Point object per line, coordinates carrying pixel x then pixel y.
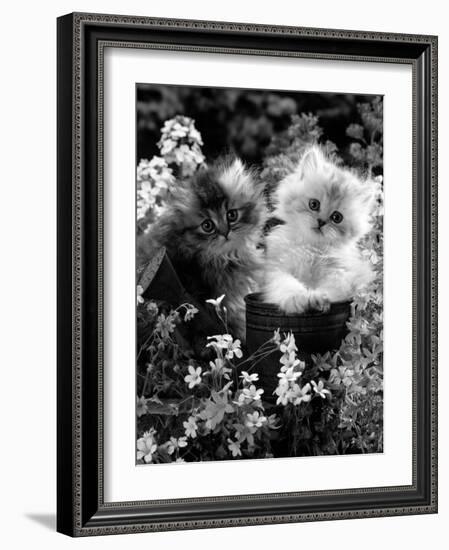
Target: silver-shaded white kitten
{"type": "Point", "coordinates": [313, 259]}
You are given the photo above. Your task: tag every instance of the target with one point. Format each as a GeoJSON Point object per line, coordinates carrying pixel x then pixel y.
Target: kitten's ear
{"type": "Point", "coordinates": [235, 177]}
{"type": "Point", "coordinates": [312, 160]}
{"type": "Point", "coordinates": [237, 168]}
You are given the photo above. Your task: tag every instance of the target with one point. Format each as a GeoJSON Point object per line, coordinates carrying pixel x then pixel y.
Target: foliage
{"type": "Point", "coordinates": [367, 150]}
{"type": "Point", "coordinates": [239, 120]}
{"type": "Point", "coordinates": [190, 408]}
{"type": "Point", "coordinates": [286, 149]}
{"type": "Point", "coordinates": [180, 147]}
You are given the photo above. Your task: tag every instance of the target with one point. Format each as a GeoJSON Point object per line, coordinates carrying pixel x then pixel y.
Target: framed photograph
{"type": "Point", "coordinates": [247, 278]}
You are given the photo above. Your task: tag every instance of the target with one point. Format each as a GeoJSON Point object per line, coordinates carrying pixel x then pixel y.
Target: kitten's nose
{"type": "Point", "coordinates": [320, 223]}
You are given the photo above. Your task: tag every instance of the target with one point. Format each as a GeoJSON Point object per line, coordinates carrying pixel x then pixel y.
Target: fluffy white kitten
{"type": "Point", "coordinates": [313, 259]}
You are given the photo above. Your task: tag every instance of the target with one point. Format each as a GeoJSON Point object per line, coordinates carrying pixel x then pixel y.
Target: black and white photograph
{"type": "Point", "coordinates": [220, 249]}
{"type": "Point", "coordinates": [247, 276]}
{"type": "Point", "coordinates": [259, 274]}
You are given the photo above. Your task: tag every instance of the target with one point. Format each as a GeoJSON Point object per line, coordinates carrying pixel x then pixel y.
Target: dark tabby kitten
{"type": "Point", "coordinates": [211, 229]}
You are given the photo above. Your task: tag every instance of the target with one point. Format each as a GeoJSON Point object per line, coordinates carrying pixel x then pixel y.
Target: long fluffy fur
{"type": "Point", "coordinates": [309, 267]}
{"type": "Point", "coordinates": [227, 261]}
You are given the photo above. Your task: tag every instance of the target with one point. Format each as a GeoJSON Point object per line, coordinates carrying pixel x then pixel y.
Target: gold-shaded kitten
{"type": "Point", "coordinates": [211, 228]}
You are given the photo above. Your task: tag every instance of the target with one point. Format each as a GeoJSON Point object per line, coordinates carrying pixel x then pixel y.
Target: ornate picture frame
{"type": "Point", "coordinates": [81, 507]}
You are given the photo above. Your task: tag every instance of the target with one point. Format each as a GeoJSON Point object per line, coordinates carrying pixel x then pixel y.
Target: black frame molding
{"type": "Point", "coordinates": [81, 509]}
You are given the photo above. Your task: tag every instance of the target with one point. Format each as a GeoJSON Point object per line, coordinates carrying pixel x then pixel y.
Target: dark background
{"type": "Point", "coordinates": [239, 120]}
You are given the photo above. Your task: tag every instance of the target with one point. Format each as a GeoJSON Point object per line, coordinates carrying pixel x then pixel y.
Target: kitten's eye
{"type": "Point", "coordinates": [336, 217]}
{"type": "Point", "coordinates": [232, 215]}
{"type": "Point", "coordinates": [208, 226]}
{"type": "Point", "coordinates": [314, 204]}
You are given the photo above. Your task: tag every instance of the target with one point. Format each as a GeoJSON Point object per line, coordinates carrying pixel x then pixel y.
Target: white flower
{"type": "Point", "coordinates": [194, 135]}
{"type": "Point", "coordinates": [234, 349]}
{"type": "Point", "coordinates": [341, 375]}
{"type": "Point", "coordinates": [173, 444]}
{"type": "Point", "coordinates": [155, 170]}
{"type": "Point", "coordinates": [319, 389]}
{"type": "Point", "coordinates": [288, 344]}
{"type": "Point", "coordinates": [283, 393]}
{"type": "Point", "coordinates": [301, 395]}
{"type": "Point", "coordinates": [179, 131]}
{"type": "Point", "coordinates": [234, 447]}
{"type": "Point", "coordinates": [217, 302]}
{"type": "Point", "coordinates": [190, 427]}
{"type": "Point", "coordinates": [255, 420]}
{"type": "Point", "coordinates": [191, 311]}
{"type": "Point", "coordinates": [154, 178]}
{"type": "Point", "coordinates": [188, 159]}
{"type": "Point", "coordinates": [290, 392]}
{"type": "Point", "coordinates": [218, 368]}
{"type": "Point", "coordinates": [165, 325]}
{"type": "Point", "coordinates": [180, 144]}
{"type": "Point", "coordinates": [194, 376]}
{"type": "Point", "coordinates": [222, 341]}
{"type": "Point", "coordinates": [249, 378]}
{"type": "Point", "coordinates": [140, 299]}
{"type": "Point", "coordinates": [277, 337]}
{"type": "Point", "coordinates": [183, 154]}
{"type": "Point", "coordinates": [289, 360]}
{"type": "Point", "coordinates": [141, 406]}
{"type": "Point", "coordinates": [251, 393]}
{"type": "Point", "coordinates": [146, 446]}
{"type": "Point", "coordinates": [290, 375]}
{"type": "Point", "coordinates": [226, 342]}
{"type": "Point", "coordinates": [167, 146]}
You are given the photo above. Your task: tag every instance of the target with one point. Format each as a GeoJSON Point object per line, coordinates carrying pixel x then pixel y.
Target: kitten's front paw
{"type": "Point", "coordinates": [295, 304]}
{"type": "Point", "coordinates": [319, 301]}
